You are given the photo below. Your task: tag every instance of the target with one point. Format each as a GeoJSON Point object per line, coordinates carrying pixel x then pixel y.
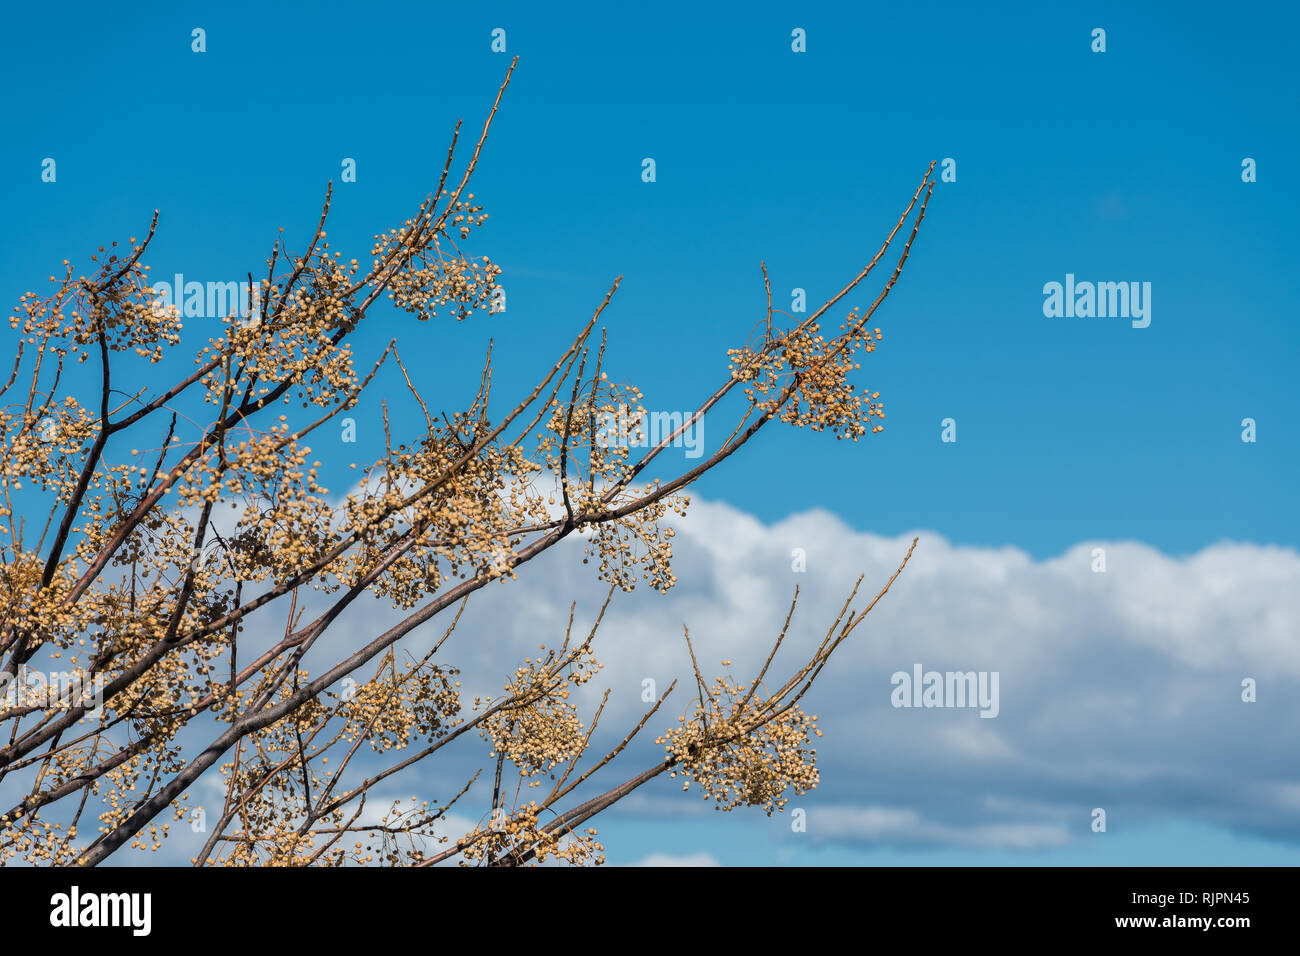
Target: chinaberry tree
{"type": "Point", "coordinates": [139, 544]}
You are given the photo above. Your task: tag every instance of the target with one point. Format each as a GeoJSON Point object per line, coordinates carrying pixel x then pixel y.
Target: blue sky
{"type": "Point", "coordinates": [1115, 166]}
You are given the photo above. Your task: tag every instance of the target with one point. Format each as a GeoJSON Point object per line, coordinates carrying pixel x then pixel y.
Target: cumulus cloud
{"type": "Point", "coordinates": [667, 859]}
{"type": "Point", "coordinates": [906, 827]}
{"type": "Point", "coordinates": [1120, 690]}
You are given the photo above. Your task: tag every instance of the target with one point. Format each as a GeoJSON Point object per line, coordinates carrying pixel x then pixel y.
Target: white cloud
{"type": "Point", "coordinates": [667, 859]}
{"type": "Point", "coordinates": [884, 824]}
{"type": "Point", "coordinates": [1119, 690]}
